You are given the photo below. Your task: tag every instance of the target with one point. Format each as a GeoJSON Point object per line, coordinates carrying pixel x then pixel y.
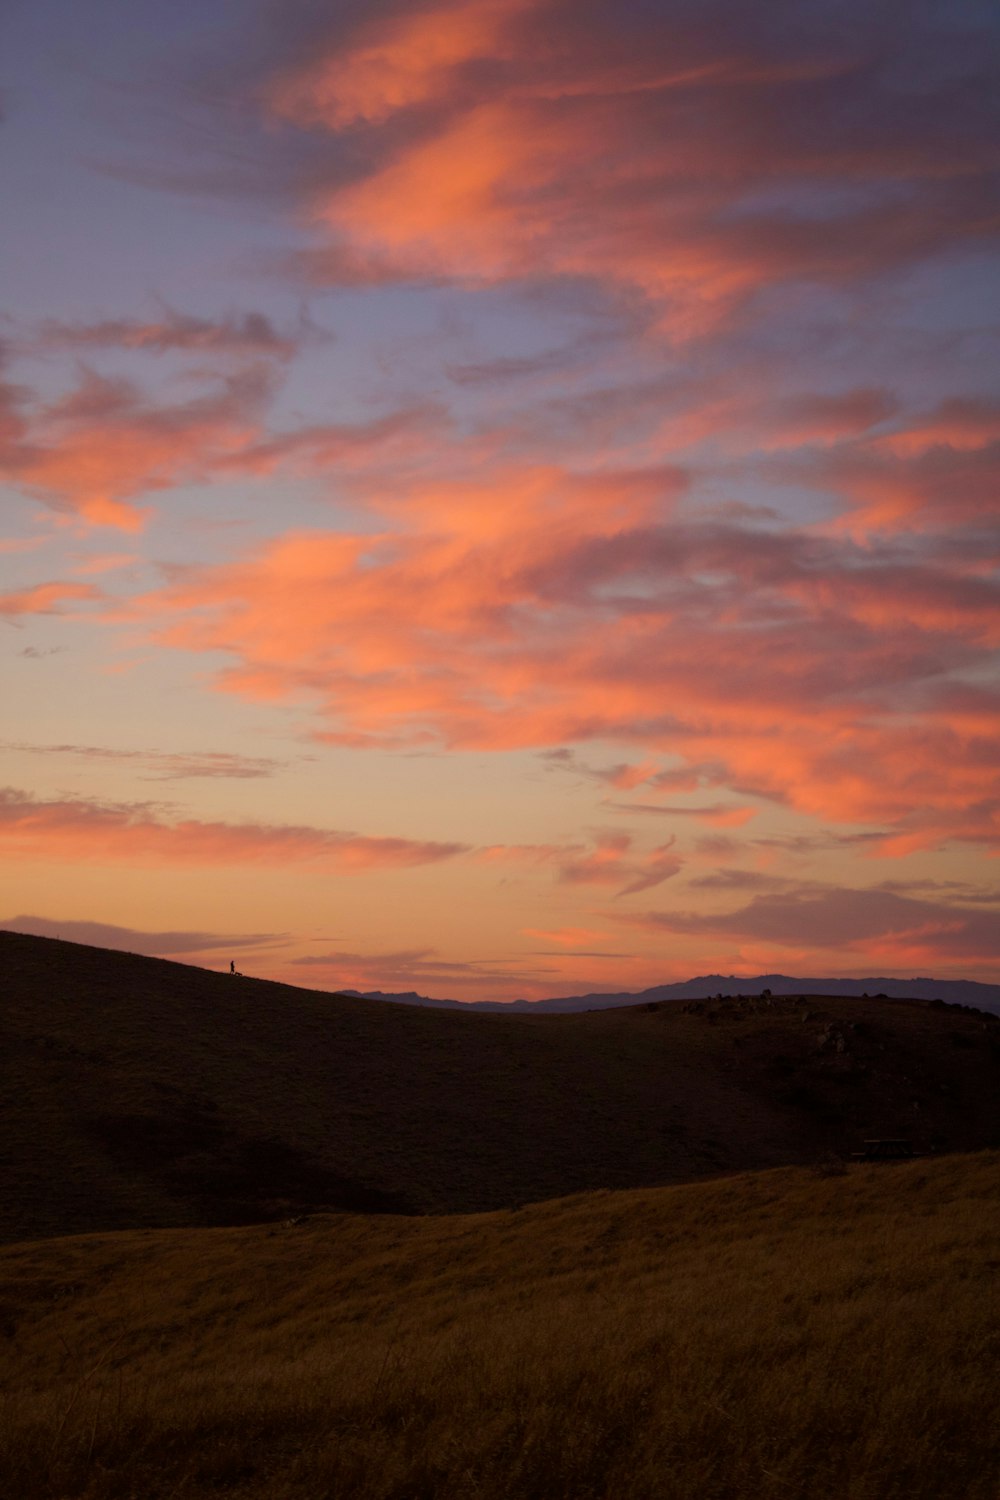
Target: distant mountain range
{"type": "Point", "coordinates": [952, 991]}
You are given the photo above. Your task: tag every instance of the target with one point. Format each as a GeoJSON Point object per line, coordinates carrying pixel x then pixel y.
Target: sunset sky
{"type": "Point", "coordinates": [500, 498]}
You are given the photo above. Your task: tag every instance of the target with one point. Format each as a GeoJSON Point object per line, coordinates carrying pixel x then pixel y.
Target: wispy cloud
{"type": "Point", "coordinates": [88, 831]}
{"type": "Point", "coordinates": [606, 857]}
{"type": "Point", "coordinates": [103, 451]}
{"type": "Point", "coordinates": [99, 451]}
{"type": "Point", "coordinates": [164, 765]}
{"type": "Point", "coordinates": [861, 925]}
{"type": "Point", "coordinates": [134, 940]}
{"type": "Point", "coordinates": [402, 969]}
{"type": "Point", "coordinates": [54, 598]}
{"type": "Point", "coordinates": [242, 335]}
{"type": "Point", "coordinates": [612, 861]}
{"type": "Point", "coordinates": [720, 814]}
{"type": "Point", "coordinates": [567, 937]}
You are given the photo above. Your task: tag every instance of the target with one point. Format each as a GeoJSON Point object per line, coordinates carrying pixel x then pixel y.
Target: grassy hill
{"type": "Point", "coordinates": [795, 1334]}
{"type": "Point", "coordinates": [136, 1092]}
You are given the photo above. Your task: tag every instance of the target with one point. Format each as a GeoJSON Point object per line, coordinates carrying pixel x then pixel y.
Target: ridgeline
{"type": "Point", "coordinates": [141, 1093]}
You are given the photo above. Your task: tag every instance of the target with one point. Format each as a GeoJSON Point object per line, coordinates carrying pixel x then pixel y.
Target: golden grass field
{"type": "Point", "coordinates": [822, 1334]}
{"type": "Point", "coordinates": [734, 1312]}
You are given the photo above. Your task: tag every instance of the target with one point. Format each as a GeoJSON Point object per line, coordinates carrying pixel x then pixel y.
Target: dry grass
{"type": "Point", "coordinates": [789, 1333]}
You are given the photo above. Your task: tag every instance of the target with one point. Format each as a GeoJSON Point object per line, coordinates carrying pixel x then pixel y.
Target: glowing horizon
{"type": "Point", "coordinates": [500, 497]}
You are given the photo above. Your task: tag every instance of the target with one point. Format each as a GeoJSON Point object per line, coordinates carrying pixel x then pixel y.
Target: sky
{"type": "Point", "coordinates": [499, 498]}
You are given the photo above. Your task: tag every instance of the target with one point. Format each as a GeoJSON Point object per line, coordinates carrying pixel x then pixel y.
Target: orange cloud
{"type": "Point", "coordinates": [567, 937]}
{"type": "Point", "coordinates": [101, 451]}
{"type": "Point", "coordinates": [46, 598]}
{"type": "Point", "coordinates": [97, 451]}
{"type": "Point", "coordinates": [958, 423]}
{"type": "Point", "coordinates": [640, 154]}
{"type": "Point", "coordinates": [612, 862]}
{"type": "Point", "coordinates": [531, 607]}
{"type": "Point", "coordinates": [86, 831]}
{"type": "Point", "coordinates": [625, 778]}
{"type": "Point", "coordinates": [940, 487]}
{"type": "Point", "coordinates": [719, 815]}
{"type": "Point", "coordinates": [392, 64]}
{"type": "Point", "coordinates": [609, 858]}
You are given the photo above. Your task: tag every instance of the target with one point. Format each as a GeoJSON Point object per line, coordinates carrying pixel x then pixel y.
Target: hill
{"type": "Point", "coordinates": [137, 1092]}
{"type": "Point", "coordinates": [951, 991]}
{"type": "Point", "coordinates": [787, 1334]}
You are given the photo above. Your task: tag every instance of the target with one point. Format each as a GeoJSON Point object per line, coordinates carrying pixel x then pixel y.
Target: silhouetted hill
{"type": "Point", "coordinates": [951, 991]}
{"type": "Point", "coordinates": [137, 1092]}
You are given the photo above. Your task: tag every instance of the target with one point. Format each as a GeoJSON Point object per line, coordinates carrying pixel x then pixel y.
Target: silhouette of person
{"type": "Point", "coordinates": [232, 966]}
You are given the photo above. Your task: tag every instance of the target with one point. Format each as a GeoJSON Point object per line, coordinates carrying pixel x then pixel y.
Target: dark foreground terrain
{"type": "Point", "coordinates": [138, 1093]}
{"type": "Point", "coordinates": [802, 1334]}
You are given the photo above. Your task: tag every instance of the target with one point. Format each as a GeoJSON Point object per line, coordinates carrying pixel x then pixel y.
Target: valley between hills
{"type": "Point", "coordinates": [278, 1244]}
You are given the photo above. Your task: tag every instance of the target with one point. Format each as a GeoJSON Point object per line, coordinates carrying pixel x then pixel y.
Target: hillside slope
{"type": "Point", "coordinates": [136, 1092]}
{"type": "Point", "coordinates": [778, 1336]}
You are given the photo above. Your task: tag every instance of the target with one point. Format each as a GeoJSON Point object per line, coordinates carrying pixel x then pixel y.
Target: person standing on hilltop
{"type": "Point", "coordinates": [232, 966]}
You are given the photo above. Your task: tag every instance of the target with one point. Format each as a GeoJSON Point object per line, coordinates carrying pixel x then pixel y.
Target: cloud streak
{"type": "Point", "coordinates": [134, 940]}
{"type": "Point", "coordinates": [162, 765]}
{"type": "Point", "coordinates": [247, 335]}
{"type": "Point", "coordinates": [60, 596]}
{"type": "Point", "coordinates": [399, 970]}
{"type": "Point", "coordinates": [858, 924]}
{"type": "Point", "coordinates": [87, 831]}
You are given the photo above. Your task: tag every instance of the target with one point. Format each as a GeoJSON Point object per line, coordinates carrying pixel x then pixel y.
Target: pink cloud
{"type": "Point", "coordinates": [86, 831]}
{"type": "Point", "coordinates": [567, 937]}
{"type": "Point", "coordinates": [104, 449]}
{"type": "Point", "coordinates": [958, 423]}
{"type": "Point", "coordinates": [608, 858]}
{"type": "Point", "coordinates": [690, 160]}
{"type": "Point", "coordinates": [162, 765]}
{"type": "Point", "coordinates": [389, 67]}
{"type": "Point", "coordinates": [47, 598]}
{"type": "Point", "coordinates": [612, 861]}
{"type": "Point", "coordinates": [534, 608]}
{"type": "Point", "coordinates": [95, 452]}
{"type": "Point", "coordinates": [720, 815]}
{"type": "Point", "coordinates": [887, 491]}
{"type": "Point", "coordinates": [106, 562]}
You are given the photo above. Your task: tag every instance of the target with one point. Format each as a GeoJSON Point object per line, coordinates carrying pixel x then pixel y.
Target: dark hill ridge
{"type": "Point", "coordinates": [951, 991]}
{"type": "Point", "coordinates": [137, 1092]}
